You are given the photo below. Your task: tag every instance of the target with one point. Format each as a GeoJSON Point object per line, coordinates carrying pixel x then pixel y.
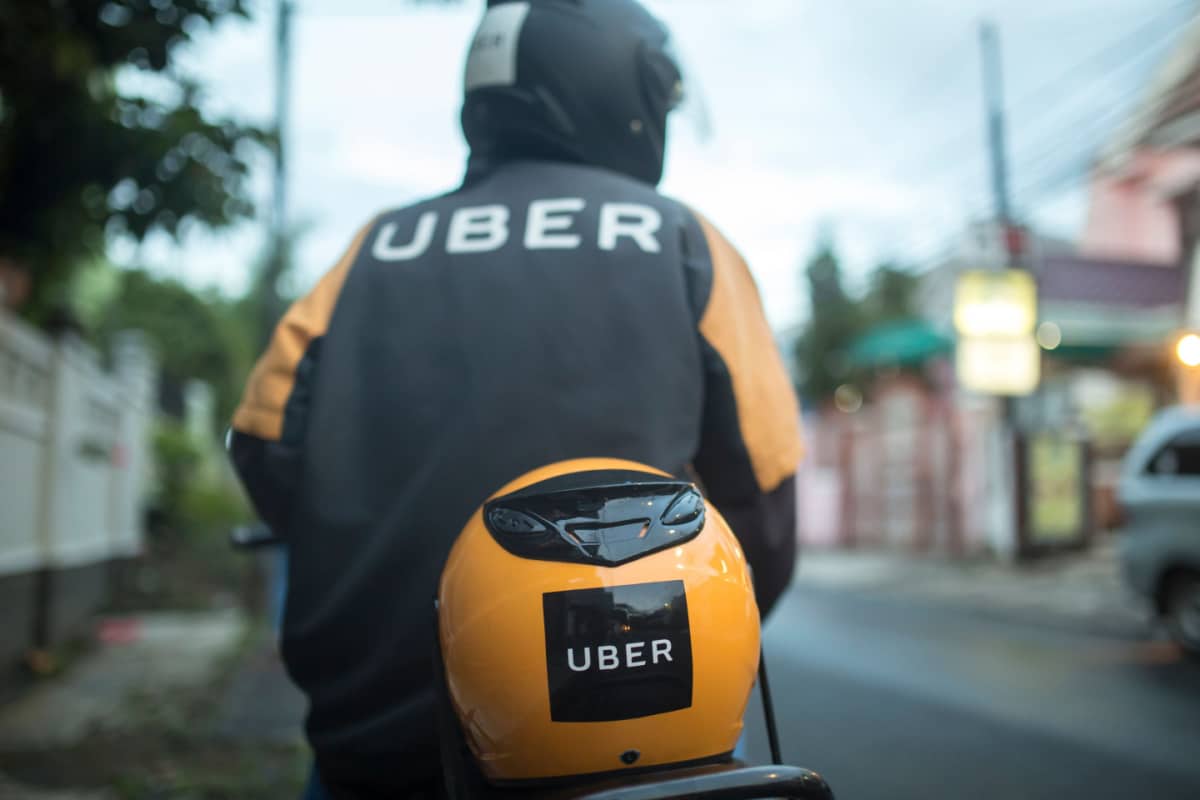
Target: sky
{"type": "Point", "coordinates": [861, 120]}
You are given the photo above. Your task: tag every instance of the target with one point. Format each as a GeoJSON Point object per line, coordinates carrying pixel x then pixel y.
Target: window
{"type": "Point", "coordinates": [1180, 456]}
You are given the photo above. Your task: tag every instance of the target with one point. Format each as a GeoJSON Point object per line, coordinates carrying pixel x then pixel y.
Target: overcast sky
{"type": "Point", "coordinates": [864, 116]}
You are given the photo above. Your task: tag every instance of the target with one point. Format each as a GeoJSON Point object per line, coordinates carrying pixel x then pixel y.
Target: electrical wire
{"type": "Point", "coordinates": [1138, 63]}
{"type": "Point", "coordinates": [1066, 163]}
{"type": "Point", "coordinates": [1052, 88]}
{"type": "Point", "coordinates": [1062, 161]}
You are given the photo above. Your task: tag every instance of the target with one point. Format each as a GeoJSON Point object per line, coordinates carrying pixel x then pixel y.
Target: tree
{"type": "Point", "coordinates": [892, 295]}
{"type": "Point", "coordinates": [834, 322]}
{"type": "Point", "coordinates": [195, 335]}
{"type": "Point", "coordinates": [80, 160]}
{"type": "Point", "coordinates": [838, 320]}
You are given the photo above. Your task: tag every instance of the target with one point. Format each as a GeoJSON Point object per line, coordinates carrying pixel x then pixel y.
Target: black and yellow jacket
{"type": "Point", "coordinates": [542, 312]}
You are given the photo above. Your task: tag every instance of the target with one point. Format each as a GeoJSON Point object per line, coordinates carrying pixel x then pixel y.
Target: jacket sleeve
{"type": "Point", "coordinates": [267, 437]}
{"type": "Point", "coordinates": [750, 442]}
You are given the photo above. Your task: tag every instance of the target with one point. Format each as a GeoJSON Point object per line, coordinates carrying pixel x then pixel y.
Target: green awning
{"type": "Point", "coordinates": [1094, 333]}
{"type": "Point", "coordinates": [903, 343]}
{"type": "Point", "coordinates": [1085, 353]}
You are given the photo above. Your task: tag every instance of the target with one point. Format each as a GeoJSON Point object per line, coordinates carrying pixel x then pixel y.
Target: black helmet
{"type": "Point", "coordinates": [589, 81]}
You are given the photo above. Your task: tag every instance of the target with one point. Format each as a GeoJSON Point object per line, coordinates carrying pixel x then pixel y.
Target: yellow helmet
{"type": "Point", "coordinates": [594, 616]}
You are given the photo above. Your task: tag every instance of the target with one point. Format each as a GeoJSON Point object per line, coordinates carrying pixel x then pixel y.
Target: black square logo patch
{"type": "Point", "coordinates": [619, 652]}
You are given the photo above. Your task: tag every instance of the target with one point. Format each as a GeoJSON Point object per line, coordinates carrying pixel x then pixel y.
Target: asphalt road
{"type": "Point", "coordinates": [906, 700]}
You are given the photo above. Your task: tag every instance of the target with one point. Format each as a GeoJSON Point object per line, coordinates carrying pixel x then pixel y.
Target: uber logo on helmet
{"type": "Point", "coordinates": [492, 60]}
{"type": "Point", "coordinates": [618, 652]}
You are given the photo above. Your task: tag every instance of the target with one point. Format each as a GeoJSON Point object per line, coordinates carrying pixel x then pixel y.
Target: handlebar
{"type": "Point", "coordinates": [253, 537]}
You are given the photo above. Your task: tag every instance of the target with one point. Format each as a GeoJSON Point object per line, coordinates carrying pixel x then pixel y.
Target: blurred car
{"type": "Point", "coordinates": [1159, 494]}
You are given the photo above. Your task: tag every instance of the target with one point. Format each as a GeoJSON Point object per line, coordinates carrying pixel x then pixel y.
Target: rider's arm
{"type": "Point", "coordinates": [266, 443]}
{"type": "Point", "coordinates": [750, 445]}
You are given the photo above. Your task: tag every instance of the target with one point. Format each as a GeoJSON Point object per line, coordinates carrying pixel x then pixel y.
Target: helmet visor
{"type": "Point", "coordinates": [685, 97]}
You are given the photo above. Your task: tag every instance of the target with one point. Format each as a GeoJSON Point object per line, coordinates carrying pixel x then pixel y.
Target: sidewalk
{"type": "Point", "coordinates": [1080, 591]}
{"type": "Point", "coordinates": [135, 658]}
{"type": "Point", "coordinates": [165, 705]}
{"type": "Point", "coordinates": [10, 790]}
{"type": "Point", "coordinates": [260, 703]}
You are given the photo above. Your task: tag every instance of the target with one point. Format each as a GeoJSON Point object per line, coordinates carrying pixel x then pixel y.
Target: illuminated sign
{"type": "Point", "coordinates": [995, 303]}
{"type": "Point", "coordinates": [1006, 365]}
{"type": "Point", "coordinates": [995, 313]}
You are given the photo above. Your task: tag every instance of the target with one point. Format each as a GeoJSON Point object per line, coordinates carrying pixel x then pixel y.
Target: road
{"type": "Point", "coordinates": [900, 699]}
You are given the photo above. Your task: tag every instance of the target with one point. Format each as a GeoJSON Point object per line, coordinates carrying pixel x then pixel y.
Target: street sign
{"type": "Point", "coordinates": [995, 312]}
{"type": "Point", "coordinates": [1056, 490]}
{"type": "Point", "coordinates": [1002, 365]}
{"type": "Point", "coordinates": [995, 303]}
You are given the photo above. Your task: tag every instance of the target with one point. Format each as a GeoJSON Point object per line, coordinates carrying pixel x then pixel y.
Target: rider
{"type": "Point", "coordinates": [554, 306]}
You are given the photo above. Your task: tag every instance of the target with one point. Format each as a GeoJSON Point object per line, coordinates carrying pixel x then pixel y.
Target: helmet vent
{"type": "Point", "coordinates": [590, 518]}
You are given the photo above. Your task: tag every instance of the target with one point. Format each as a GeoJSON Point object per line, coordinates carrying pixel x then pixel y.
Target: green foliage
{"type": "Point", "coordinates": [838, 319]}
{"type": "Point", "coordinates": [201, 336]}
{"type": "Point", "coordinates": [214, 508]}
{"type": "Point", "coordinates": [835, 320]}
{"type": "Point", "coordinates": [188, 502]}
{"type": "Point", "coordinates": [79, 159]}
{"type": "Point", "coordinates": [176, 457]}
{"type": "Point", "coordinates": [892, 296]}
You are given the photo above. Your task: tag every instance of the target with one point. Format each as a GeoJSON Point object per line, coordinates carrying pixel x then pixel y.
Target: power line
{"type": "Point", "coordinates": [1071, 174]}
{"type": "Point", "coordinates": [1077, 137]}
{"type": "Point", "coordinates": [1083, 137]}
{"type": "Point", "coordinates": [1150, 52]}
{"type": "Point", "coordinates": [1077, 140]}
{"type": "Point", "coordinates": [1084, 131]}
{"type": "Point", "coordinates": [1052, 88]}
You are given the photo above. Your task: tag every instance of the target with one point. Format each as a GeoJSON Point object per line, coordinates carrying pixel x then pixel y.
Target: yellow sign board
{"type": "Point", "coordinates": [1006, 365]}
{"type": "Point", "coordinates": [995, 312]}
{"type": "Point", "coordinates": [995, 303]}
{"type": "Point", "coordinates": [1056, 486]}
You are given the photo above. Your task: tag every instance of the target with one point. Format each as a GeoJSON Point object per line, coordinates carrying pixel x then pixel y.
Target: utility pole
{"type": "Point", "coordinates": [993, 104]}
{"type": "Point", "coordinates": [993, 98]}
{"type": "Point", "coordinates": [283, 46]}
{"type": "Point", "coordinates": [276, 263]}
{"type": "Point", "coordinates": [1010, 453]}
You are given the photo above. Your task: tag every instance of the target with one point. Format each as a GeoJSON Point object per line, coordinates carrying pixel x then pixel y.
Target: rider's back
{"type": "Point", "coordinates": [545, 311]}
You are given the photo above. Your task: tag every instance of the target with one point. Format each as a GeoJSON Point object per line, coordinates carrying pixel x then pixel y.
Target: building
{"type": "Point", "coordinates": [1145, 192]}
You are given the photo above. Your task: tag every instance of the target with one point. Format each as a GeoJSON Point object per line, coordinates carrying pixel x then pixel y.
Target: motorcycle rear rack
{"type": "Point", "coordinates": [729, 782]}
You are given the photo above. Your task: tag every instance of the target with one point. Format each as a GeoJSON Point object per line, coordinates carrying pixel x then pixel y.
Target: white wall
{"type": "Point", "coordinates": [26, 383]}
{"type": "Point", "coordinates": [920, 475]}
{"type": "Point", "coordinates": [74, 446]}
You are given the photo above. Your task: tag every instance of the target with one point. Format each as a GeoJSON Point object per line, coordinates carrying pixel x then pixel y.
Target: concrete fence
{"type": "Point", "coordinates": [74, 466]}
{"type": "Point", "coordinates": [911, 470]}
